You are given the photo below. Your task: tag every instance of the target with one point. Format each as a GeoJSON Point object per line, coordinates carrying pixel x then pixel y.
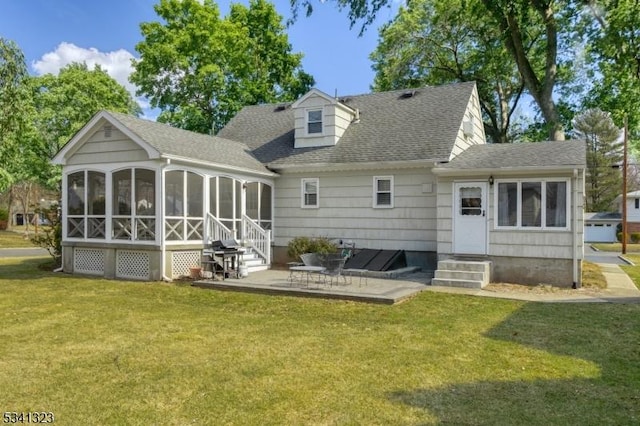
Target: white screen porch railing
{"type": "Point", "coordinates": [253, 235]}
{"type": "Point", "coordinates": [257, 237]}
{"type": "Point", "coordinates": [217, 231]}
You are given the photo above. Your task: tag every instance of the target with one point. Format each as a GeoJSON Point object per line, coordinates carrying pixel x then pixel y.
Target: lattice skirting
{"type": "Point", "coordinates": [88, 261]}
{"type": "Point", "coordinates": [132, 264]}
{"type": "Point", "coordinates": [181, 261]}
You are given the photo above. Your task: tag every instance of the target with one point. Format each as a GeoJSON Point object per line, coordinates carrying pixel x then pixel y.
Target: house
{"type": "Point", "coordinates": [406, 169]}
{"type": "Point", "coordinates": [602, 227]}
{"type": "Point", "coordinates": [633, 210]}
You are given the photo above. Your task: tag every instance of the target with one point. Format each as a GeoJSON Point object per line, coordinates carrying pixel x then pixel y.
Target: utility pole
{"type": "Point", "coordinates": [624, 187]}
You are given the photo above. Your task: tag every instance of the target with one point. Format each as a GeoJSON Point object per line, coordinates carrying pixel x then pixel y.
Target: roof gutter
{"type": "Point", "coordinates": [221, 166]}
{"type": "Point", "coordinates": [503, 171]}
{"type": "Point", "coordinates": [332, 167]}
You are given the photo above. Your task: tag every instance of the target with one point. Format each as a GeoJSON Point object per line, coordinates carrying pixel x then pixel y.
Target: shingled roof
{"type": "Point", "coordinates": [392, 127]}
{"type": "Point", "coordinates": [558, 154]}
{"type": "Point", "coordinates": [177, 143]}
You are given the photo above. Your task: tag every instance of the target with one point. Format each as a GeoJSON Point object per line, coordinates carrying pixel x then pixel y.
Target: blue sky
{"type": "Point", "coordinates": [53, 33]}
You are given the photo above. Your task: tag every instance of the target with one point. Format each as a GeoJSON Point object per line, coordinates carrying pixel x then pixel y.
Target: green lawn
{"type": "Point", "coordinates": [16, 238]}
{"type": "Point", "coordinates": [616, 247]}
{"type": "Point", "coordinates": [94, 351]}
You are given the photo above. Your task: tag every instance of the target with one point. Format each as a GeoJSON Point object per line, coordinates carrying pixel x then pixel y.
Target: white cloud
{"type": "Point", "coordinates": [117, 64]}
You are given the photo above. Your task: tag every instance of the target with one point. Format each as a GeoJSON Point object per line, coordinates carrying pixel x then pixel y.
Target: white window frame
{"type": "Point", "coordinates": [543, 219]}
{"type": "Point", "coordinates": [307, 121]}
{"type": "Point", "coordinates": [376, 179]}
{"type": "Point", "coordinates": [303, 193]}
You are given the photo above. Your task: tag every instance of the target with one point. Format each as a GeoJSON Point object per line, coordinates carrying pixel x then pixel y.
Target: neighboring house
{"type": "Point", "coordinates": [405, 170]}
{"type": "Point", "coordinates": [601, 227]}
{"type": "Point", "coordinates": [633, 210]}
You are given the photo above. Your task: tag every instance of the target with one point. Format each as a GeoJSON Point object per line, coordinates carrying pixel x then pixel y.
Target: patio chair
{"type": "Point", "coordinates": [311, 259]}
{"type": "Point", "coordinates": [333, 264]}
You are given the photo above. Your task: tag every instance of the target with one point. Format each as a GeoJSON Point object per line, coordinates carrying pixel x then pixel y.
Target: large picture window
{"type": "Point", "coordinates": [533, 204]}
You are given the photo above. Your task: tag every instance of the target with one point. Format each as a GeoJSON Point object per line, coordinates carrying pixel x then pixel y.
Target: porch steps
{"type": "Point", "coordinates": [462, 273]}
{"type": "Point", "coordinates": [254, 262]}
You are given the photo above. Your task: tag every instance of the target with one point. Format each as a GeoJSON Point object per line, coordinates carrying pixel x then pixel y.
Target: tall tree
{"type": "Point", "coordinates": [201, 69]}
{"type": "Point", "coordinates": [614, 50]}
{"type": "Point", "coordinates": [525, 23]}
{"type": "Point", "coordinates": [441, 41]}
{"type": "Point", "coordinates": [14, 107]}
{"type": "Point", "coordinates": [65, 102]}
{"type": "Point", "coordinates": [604, 152]}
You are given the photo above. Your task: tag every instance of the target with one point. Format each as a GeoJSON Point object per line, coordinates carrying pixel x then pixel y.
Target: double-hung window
{"type": "Point", "coordinates": [310, 193]}
{"type": "Point", "coordinates": [383, 191]}
{"type": "Point", "coordinates": [533, 204]}
{"type": "Point", "coordinates": [314, 121]}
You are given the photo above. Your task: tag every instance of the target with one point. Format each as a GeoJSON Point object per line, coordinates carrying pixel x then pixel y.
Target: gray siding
{"type": "Point", "coordinates": [113, 149]}
{"type": "Point", "coordinates": [346, 210]}
{"type": "Point", "coordinates": [473, 115]}
{"type": "Point", "coordinates": [513, 243]}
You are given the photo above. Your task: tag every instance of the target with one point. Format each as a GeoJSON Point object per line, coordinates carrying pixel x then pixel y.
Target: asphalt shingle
{"type": "Point", "coordinates": [570, 153]}
{"type": "Point", "coordinates": [391, 128]}
{"type": "Point", "coordinates": [171, 141]}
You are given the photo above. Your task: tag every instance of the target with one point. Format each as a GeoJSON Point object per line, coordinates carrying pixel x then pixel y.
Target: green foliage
{"type": "Point", "coordinates": [604, 151]}
{"type": "Point", "coordinates": [613, 48]}
{"type": "Point", "coordinates": [635, 237]}
{"type": "Point", "coordinates": [66, 102]}
{"type": "Point", "coordinates": [201, 69]}
{"type": "Point", "coordinates": [302, 245]}
{"type": "Point", "coordinates": [14, 110]}
{"type": "Point", "coordinates": [4, 214]}
{"type": "Point", "coordinates": [51, 236]}
{"type": "Point", "coordinates": [443, 41]}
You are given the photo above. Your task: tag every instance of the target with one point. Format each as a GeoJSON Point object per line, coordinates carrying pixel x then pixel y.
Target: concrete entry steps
{"type": "Point", "coordinates": [462, 273]}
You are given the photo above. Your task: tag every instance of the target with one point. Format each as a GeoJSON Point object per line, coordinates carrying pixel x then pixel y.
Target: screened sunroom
{"type": "Point", "coordinates": [142, 200]}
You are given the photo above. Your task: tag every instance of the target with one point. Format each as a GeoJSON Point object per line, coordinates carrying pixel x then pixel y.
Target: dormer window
{"type": "Point", "coordinates": [314, 121]}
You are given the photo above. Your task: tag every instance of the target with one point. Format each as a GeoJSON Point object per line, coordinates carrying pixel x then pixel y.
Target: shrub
{"type": "Point", "coordinates": [301, 245]}
{"type": "Point", "coordinates": [51, 238]}
{"type": "Point", "coordinates": [635, 237]}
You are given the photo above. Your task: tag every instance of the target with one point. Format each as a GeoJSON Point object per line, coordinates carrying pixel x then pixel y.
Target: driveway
{"type": "Point", "coordinates": [594, 256]}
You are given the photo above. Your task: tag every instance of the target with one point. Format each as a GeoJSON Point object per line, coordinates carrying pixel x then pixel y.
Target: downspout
{"type": "Point", "coordinates": [163, 251]}
{"type": "Point", "coordinates": [574, 202]}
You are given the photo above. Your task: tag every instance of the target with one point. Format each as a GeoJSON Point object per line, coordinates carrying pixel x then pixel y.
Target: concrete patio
{"type": "Point", "coordinates": [393, 288]}
{"type": "Point", "coordinates": [362, 289]}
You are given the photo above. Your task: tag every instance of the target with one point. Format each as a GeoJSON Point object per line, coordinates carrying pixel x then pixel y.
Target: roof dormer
{"type": "Point", "coordinates": [320, 119]}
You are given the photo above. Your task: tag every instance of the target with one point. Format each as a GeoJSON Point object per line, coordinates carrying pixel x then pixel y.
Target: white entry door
{"type": "Point", "coordinates": [470, 218]}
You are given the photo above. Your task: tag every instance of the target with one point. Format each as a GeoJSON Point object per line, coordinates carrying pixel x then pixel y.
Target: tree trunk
{"type": "Point", "coordinates": [540, 90]}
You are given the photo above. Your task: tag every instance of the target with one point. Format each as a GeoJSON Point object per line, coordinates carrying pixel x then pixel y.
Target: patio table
{"type": "Point", "coordinates": [306, 271]}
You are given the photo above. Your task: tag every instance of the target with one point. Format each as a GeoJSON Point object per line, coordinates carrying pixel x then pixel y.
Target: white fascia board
{"type": "Point", "coordinates": [333, 167]}
{"type": "Point", "coordinates": [506, 171]}
{"type": "Point", "coordinates": [83, 134]}
{"type": "Point", "coordinates": [152, 152]}
{"type": "Point", "coordinates": [313, 92]}
{"type": "Point", "coordinates": [220, 166]}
